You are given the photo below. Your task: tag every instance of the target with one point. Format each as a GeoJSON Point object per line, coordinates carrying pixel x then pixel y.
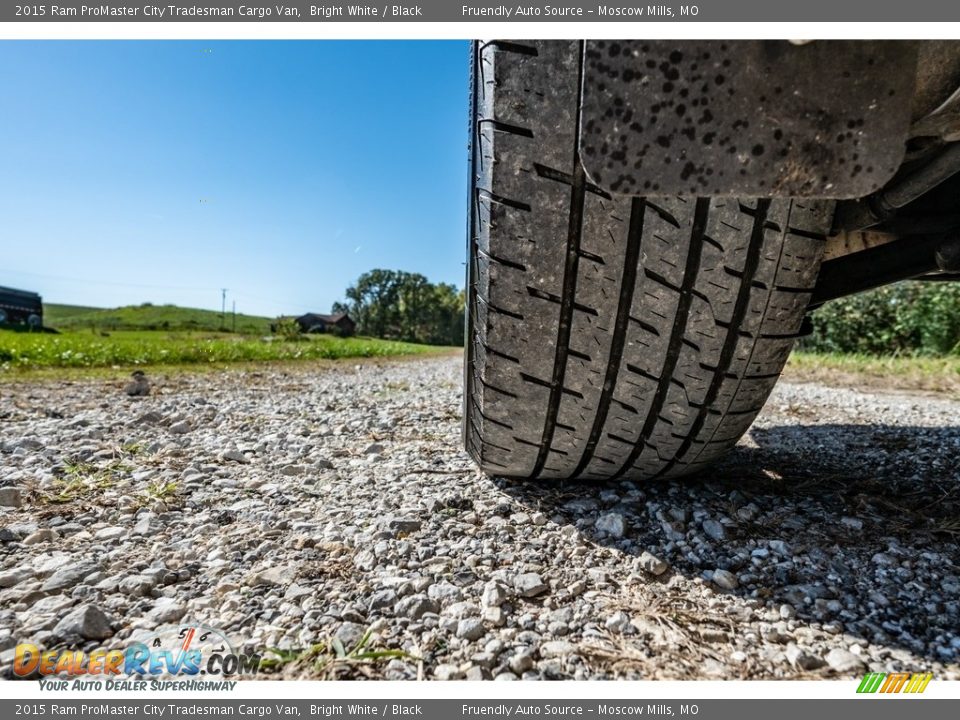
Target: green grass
{"type": "Point", "coordinates": [124, 349]}
{"type": "Point", "coordinates": [55, 314]}
{"type": "Point", "coordinates": [148, 317]}
{"type": "Point", "coordinates": [936, 374]}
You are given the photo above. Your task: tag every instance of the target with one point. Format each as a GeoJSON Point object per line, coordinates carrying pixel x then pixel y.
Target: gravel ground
{"type": "Point", "coordinates": [292, 507]}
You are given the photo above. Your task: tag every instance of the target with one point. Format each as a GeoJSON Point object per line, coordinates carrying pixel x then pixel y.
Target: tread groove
{"type": "Point", "coordinates": [727, 352]}
{"type": "Point", "coordinates": [503, 355]}
{"type": "Point", "coordinates": [507, 202]}
{"type": "Point", "coordinates": [574, 234]}
{"type": "Point", "coordinates": [499, 310]}
{"type": "Point", "coordinates": [502, 261]}
{"type": "Point", "coordinates": [488, 418]}
{"type": "Point", "coordinates": [628, 281]}
{"type": "Point", "coordinates": [559, 176]}
{"type": "Point", "coordinates": [664, 215]}
{"type": "Point", "coordinates": [676, 336]}
{"type": "Point", "coordinates": [507, 128]}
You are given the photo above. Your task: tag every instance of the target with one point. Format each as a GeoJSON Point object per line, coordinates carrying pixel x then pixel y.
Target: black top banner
{"type": "Point", "coordinates": [484, 11]}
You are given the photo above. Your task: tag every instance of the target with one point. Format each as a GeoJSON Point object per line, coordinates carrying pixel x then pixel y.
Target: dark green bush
{"type": "Point", "coordinates": [905, 318]}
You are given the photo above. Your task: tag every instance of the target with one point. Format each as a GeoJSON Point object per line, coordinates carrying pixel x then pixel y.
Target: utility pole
{"type": "Point", "coordinates": [234, 315]}
{"type": "Point", "coordinates": [223, 308]}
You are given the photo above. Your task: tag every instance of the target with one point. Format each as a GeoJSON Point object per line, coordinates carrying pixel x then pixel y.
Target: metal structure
{"type": "Point", "coordinates": [872, 124]}
{"type": "Point", "coordinates": [21, 307]}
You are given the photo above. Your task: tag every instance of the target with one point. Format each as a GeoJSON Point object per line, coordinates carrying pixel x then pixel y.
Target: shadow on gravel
{"type": "Point", "coordinates": [855, 527]}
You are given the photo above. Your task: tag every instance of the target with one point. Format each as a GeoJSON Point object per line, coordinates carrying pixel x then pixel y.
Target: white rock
{"type": "Point", "coordinates": [87, 621]}
{"type": "Point", "coordinates": [618, 622]}
{"type": "Point", "coordinates": [844, 661]}
{"type": "Point", "coordinates": [802, 659]}
{"type": "Point", "coordinates": [235, 455]}
{"type": "Point", "coordinates": [521, 663]}
{"type": "Point", "coordinates": [471, 629]}
{"type": "Point", "coordinates": [110, 533]}
{"type": "Point", "coordinates": [167, 610]}
{"type": "Point", "coordinates": [529, 585]}
{"type": "Point", "coordinates": [612, 524]}
{"type": "Point", "coordinates": [10, 497]}
{"type": "Point", "coordinates": [43, 535]}
{"type": "Point", "coordinates": [494, 595]}
{"type": "Point", "coordinates": [725, 579]}
{"type": "Point", "coordinates": [557, 648]}
{"type": "Point", "coordinates": [652, 564]}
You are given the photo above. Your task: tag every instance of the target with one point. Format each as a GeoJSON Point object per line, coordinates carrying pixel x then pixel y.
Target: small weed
{"type": "Point", "coordinates": [132, 449]}
{"type": "Point", "coordinates": [161, 490]}
{"type": "Point", "coordinates": [330, 658]}
{"type": "Point", "coordinates": [80, 480]}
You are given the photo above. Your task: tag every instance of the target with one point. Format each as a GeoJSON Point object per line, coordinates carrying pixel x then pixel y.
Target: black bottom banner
{"type": "Point", "coordinates": [875, 708]}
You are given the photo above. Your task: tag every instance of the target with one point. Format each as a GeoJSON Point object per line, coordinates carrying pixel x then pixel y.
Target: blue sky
{"type": "Point", "coordinates": [163, 171]}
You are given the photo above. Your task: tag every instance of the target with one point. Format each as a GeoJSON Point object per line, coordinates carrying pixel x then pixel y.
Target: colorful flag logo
{"type": "Point", "coordinates": [894, 682]}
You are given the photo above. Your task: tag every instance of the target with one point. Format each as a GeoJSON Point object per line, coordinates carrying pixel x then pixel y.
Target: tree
{"type": "Point", "coordinates": [397, 305]}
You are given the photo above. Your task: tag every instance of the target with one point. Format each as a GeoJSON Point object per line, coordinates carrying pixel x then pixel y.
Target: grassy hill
{"type": "Point", "coordinates": [148, 317]}
{"type": "Point", "coordinates": [63, 312]}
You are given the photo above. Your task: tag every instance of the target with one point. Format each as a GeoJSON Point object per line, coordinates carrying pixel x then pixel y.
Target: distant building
{"type": "Point", "coordinates": [20, 307]}
{"type": "Point", "coordinates": [341, 323]}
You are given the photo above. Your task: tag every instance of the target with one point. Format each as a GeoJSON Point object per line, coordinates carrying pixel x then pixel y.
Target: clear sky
{"type": "Point", "coordinates": [164, 171]}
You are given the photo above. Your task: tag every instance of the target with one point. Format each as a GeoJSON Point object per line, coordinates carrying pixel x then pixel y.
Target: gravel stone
{"type": "Point", "coordinates": [557, 649]}
{"type": "Point", "coordinates": [10, 497]}
{"type": "Point", "coordinates": [167, 610]}
{"type": "Point", "coordinates": [286, 533]}
{"type": "Point", "coordinates": [714, 530]}
{"type": "Point", "coordinates": [470, 629]}
{"type": "Point", "coordinates": [652, 564]}
{"type": "Point", "coordinates": [66, 577]}
{"type": "Point", "coordinates": [477, 673]}
{"type": "Point", "coordinates": [725, 579]}
{"type": "Point", "coordinates": [803, 660]}
{"type": "Point", "coordinates": [13, 577]}
{"type": "Point", "coordinates": [446, 671]}
{"type": "Point", "coordinates": [87, 621]}
{"type": "Point", "coordinates": [618, 622]}
{"type": "Point", "coordinates": [529, 585]}
{"type": "Point", "coordinates": [235, 455]}
{"type": "Point", "coordinates": [494, 595]}
{"type": "Point", "coordinates": [612, 524]}
{"type": "Point", "coordinates": [844, 661]}
{"type": "Point", "coordinates": [402, 524]}
{"type": "Point", "coordinates": [416, 606]}
{"type": "Point", "coordinates": [521, 663]}
{"type": "Point", "coordinates": [350, 634]}
{"type": "Point", "coordinates": [44, 535]}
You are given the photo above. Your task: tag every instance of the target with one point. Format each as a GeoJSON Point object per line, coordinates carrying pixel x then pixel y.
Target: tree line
{"type": "Point", "coordinates": [907, 318]}
{"type": "Point", "coordinates": [397, 305]}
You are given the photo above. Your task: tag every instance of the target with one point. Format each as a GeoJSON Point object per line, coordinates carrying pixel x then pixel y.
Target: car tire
{"type": "Point", "coordinates": [612, 336]}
